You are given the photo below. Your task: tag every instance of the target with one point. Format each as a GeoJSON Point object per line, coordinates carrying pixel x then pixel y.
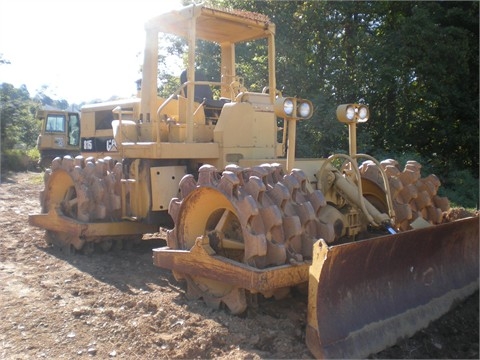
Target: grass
{"type": "Point", "coordinates": [36, 178]}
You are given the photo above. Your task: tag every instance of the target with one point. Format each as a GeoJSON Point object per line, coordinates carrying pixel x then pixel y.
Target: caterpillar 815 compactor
{"type": "Point", "coordinates": [247, 218]}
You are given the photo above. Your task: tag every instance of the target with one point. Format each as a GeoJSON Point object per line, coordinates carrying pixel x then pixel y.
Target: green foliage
{"type": "Point", "coordinates": [461, 188]}
{"type": "Point", "coordinates": [33, 154]}
{"type": "Point", "coordinates": [428, 91]}
{"type": "Point", "coordinates": [20, 159]}
{"type": "Point", "coordinates": [19, 129]}
{"type": "Point", "coordinates": [414, 63]}
{"type": "Point", "coordinates": [168, 84]}
{"type": "Point", "coordinates": [322, 135]}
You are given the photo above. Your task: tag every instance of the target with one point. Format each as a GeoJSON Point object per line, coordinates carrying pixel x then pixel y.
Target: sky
{"type": "Point", "coordinates": [82, 50]}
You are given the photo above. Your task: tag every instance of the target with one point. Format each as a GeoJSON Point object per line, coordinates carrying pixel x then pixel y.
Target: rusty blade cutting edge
{"type": "Point", "coordinates": [365, 296]}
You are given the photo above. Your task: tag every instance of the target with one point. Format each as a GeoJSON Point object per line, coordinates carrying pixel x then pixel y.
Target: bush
{"type": "Point", "coordinates": [461, 188]}
{"type": "Point", "coordinates": [20, 160]}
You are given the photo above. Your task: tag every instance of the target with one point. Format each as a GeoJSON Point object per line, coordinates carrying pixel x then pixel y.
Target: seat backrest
{"type": "Point", "coordinates": [201, 91]}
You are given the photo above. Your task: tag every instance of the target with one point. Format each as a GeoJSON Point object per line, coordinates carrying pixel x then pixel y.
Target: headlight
{"type": "Point", "coordinates": [288, 107]}
{"type": "Point", "coordinates": [363, 113]}
{"type": "Point", "coordinates": [304, 110]}
{"type": "Point", "coordinates": [352, 113]}
{"type": "Point", "coordinates": [293, 108]}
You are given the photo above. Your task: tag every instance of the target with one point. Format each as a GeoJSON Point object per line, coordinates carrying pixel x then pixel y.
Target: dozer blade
{"type": "Point", "coordinates": [365, 296]}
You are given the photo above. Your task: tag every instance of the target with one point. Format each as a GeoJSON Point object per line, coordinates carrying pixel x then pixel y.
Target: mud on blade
{"type": "Point", "coordinates": [365, 296]}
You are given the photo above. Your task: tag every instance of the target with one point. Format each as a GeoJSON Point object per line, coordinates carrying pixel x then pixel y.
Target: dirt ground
{"type": "Point", "coordinates": [118, 305]}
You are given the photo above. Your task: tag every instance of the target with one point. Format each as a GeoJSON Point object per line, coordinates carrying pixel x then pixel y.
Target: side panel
{"type": "Point", "coordinates": [165, 180]}
{"type": "Point", "coordinates": [49, 141]}
{"type": "Point", "coordinates": [246, 131]}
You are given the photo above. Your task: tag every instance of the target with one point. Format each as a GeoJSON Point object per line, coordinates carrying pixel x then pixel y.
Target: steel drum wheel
{"type": "Point", "coordinates": [213, 214]}
{"type": "Point", "coordinates": [74, 188]}
{"type": "Point", "coordinates": [413, 196]}
{"type": "Point", "coordinates": [60, 193]}
{"type": "Point", "coordinates": [256, 216]}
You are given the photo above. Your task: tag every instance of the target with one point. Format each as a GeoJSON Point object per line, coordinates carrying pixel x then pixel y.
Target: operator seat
{"type": "Point", "coordinates": [204, 94]}
{"type": "Point", "coordinates": [201, 91]}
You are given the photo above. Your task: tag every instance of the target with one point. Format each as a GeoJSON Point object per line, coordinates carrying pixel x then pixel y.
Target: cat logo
{"type": "Point", "coordinates": [111, 145]}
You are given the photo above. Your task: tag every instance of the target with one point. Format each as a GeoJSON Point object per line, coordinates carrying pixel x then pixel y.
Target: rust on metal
{"type": "Point", "coordinates": [366, 295]}
{"type": "Point", "coordinates": [241, 13]}
{"type": "Point", "coordinates": [55, 221]}
{"type": "Point", "coordinates": [202, 261]}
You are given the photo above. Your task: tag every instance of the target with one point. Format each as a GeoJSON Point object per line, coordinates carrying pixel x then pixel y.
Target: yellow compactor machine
{"type": "Point", "coordinates": [59, 134]}
{"type": "Point", "coordinates": [246, 217]}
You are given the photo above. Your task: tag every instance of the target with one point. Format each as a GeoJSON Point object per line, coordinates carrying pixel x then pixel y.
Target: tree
{"type": "Point", "coordinates": [19, 128]}
{"type": "Point", "coordinates": [426, 96]}
{"type": "Point", "coordinates": [414, 63]}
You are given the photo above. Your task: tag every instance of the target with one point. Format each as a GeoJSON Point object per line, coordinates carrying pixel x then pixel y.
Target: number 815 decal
{"type": "Point", "coordinates": [102, 144]}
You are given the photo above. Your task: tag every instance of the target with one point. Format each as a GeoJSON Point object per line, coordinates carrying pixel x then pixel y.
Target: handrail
{"type": "Point", "coordinates": [181, 87]}
{"type": "Point", "coordinates": [118, 110]}
{"type": "Point", "coordinates": [175, 94]}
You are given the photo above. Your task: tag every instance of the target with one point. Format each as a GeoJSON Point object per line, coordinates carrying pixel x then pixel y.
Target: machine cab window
{"type": "Point", "coordinates": [73, 130]}
{"type": "Point", "coordinates": [55, 123]}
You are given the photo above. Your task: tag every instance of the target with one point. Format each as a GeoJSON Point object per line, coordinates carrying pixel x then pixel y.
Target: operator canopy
{"type": "Point", "coordinates": [230, 26]}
